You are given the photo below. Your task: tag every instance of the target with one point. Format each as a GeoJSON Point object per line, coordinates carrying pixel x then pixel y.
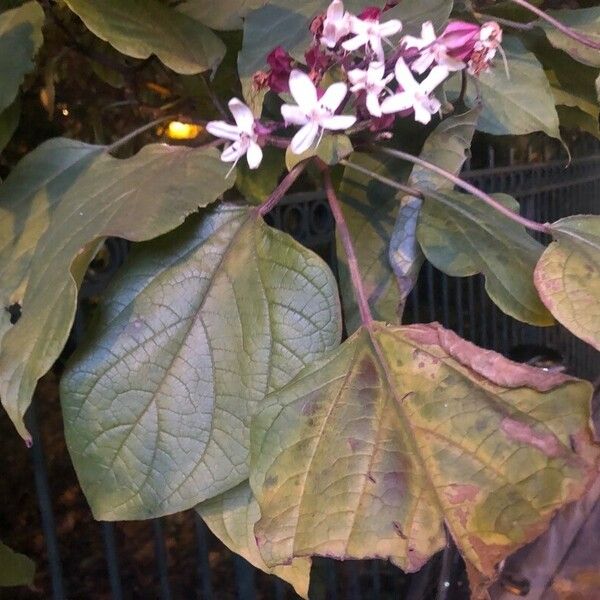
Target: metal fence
{"type": "Point", "coordinates": [547, 191]}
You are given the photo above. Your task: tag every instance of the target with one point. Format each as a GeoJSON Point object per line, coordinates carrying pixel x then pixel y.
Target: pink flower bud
{"type": "Point", "coordinates": [460, 38]}
{"type": "Point", "coordinates": [281, 66]}
{"type": "Point", "coordinates": [371, 13]}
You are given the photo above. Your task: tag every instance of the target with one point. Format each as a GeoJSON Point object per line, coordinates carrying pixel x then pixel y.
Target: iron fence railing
{"type": "Point", "coordinates": [547, 191]}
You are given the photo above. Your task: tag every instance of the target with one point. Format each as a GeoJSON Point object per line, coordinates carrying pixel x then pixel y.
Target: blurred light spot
{"type": "Point", "coordinates": [65, 112]}
{"type": "Point", "coordinates": [183, 131]}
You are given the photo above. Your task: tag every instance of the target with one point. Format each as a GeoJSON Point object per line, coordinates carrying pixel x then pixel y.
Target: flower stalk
{"type": "Point", "coordinates": [344, 234]}
{"type": "Point", "coordinates": [279, 192]}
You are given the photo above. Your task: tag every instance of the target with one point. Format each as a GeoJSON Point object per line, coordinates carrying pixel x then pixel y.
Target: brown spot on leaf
{"type": "Point", "coordinates": [309, 408]}
{"type": "Point", "coordinates": [354, 444]}
{"type": "Point", "coordinates": [491, 365]}
{"type": "Point", "coordinates": [371, 478]}
{"type": "Point", "coordinates": [395, 479]}
{"type": "Point", "coordinates": [521, 432]}
{"type": "Point", "coordinates": [271, 480]}
{"type": "Point", "coordinates": [368, 373]}
{"type": "Point", "coordinates": [398, 530]}
{"type": "Point", "coordinates": [458, 493]}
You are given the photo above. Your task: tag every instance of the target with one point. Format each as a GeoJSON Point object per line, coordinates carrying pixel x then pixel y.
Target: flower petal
{"type": "Point", "coordinates": [428, 32]}
{"type": "Point", "coordinates": [422, 115]}
{"type": "Point", "coordinates": [390, 27]}
{"type": "Point", "coordinates": [254, 155]}
{"type": "Point", "coordinates": [232, 153]}
{"type": "Point", "coordinates": [303, 90]}
{"type": "Point", "coordinates": [357, 77]}
{"type": "Point", "coordinates": [423, 62]}
{"type": "Point", "coordinates": [334, 95]}
{"type": "Point", "coordinates": [437, 75]}
{"type": "Point", "coordinates": [293, 114]}
{"type": "Point", "coordinates": [404, 77]}
{"type": "Point", "coordinates": [338, 122]}
{"type": "Point", "coordinates": [243, 116]}
{"type": "Point", "coordinates": [355, 43]}
{"type": "Point", "coordinates": [373, 105]}
{"type": "Point", "coordinates": [397, 102]}
{"type": "Point", "coordinates": [335, 11]}
{"type": "Point", "coordinates": [304, 138]}
{"type": "Point", "coordinates": [223, 130]}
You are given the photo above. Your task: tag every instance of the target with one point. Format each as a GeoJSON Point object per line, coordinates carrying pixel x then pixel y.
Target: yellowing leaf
{"type": "Point", "coordinates": [567, 276]}
{"type": "Point", "coordinates": [198, 329]}
{"type": "Point", "coordinates": [55, 207]}
{"type": "Point", "coordinates": [140, 28]}
{"type": "Point", "coordinates": [231, 517]}
{"type": "Point", "coordinates": [370, 451]}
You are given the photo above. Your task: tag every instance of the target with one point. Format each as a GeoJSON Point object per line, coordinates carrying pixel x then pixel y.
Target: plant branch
{"type": "Point", "coordinates": [281, 189]}
{"type": "Point", "coordinates": [582, 39]}
{"type": "Point", "coordinates": [533, 225]}
{"type": "Point", "coordinates": [138, 131]}
{"type": "Point", "coordinates": [344, 233]}
{"type": "Point", "coordinates": [507, 22]}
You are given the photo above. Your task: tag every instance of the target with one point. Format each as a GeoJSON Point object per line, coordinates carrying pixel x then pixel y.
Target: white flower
{"type": "Point", "coordinates": [415, 95]}
{"type": "Point", "coordinates": [242, 135]}
{"type": "Point", "coordinates": [336, 24]}
{"type": "Point", "coordinates": [313, 114]}
{"type": "Point", "coordinates": [370, 33]}
{"type": "Point", "coordinates": [373, 82]}
{"type": "Point", "coordinates": [433, 50]}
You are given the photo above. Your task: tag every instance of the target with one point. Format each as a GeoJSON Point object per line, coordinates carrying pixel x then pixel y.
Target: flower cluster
{"type": "Point", "coordinates": [377, 87]}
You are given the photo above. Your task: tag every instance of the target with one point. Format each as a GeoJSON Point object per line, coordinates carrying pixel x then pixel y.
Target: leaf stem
{"type": "Point", "coordinates": [582, 39]}
{"type": "Point", "coordinates": [533, 225]}
{"type": "Point", "coordinates": [138, 131]}
{"type": "Point", "coordinates": [344, 233]}
{"type": "Point", "coordinates": [506, 22]}
{"type": "Point", "coordinates": [279, 192]}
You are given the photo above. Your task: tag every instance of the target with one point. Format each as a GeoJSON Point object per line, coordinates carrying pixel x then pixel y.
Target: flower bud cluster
{"type": "Point", "coordinates": [376, 86]}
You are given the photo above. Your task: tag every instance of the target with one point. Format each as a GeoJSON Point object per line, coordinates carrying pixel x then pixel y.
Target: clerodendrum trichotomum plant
{"type": "Point", "coordinates": [214, 375]}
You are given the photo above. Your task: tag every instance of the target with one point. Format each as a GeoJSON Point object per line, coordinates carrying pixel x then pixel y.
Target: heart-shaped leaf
{"type": "Point", "coordinates": [231, 517]}
{"type": "Point", "coordinates": [462, 236]}
{"type": "Point", "coordinates": [567, 276]}
{"type": "Point", "coordinates": [370, 451]}
{"type": "Point", "coordinates": [198, 329]}
{"type": "Point", "coordinates": [519, 102]}
{"type": "Point", "coordinates": [140, 28]}
{"type": "Point", "coordinates": [55, 207]}
{"type": "Point", "coordinates": [20, 39]}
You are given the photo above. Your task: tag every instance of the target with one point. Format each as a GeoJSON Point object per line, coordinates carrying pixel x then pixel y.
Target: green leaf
{"type": "Point", "coordinates": [331, 150]}
{"type": "Point", "coordinates": [256, 185]}
{"type": "Point", "coordinates": [15, 568]}
{"type": "Point", "coordinates": [140, 28]}
{"type": "Point", "coordinates": [585, 21]}
{"type": "Point", "coordinates": [567, 276]}
{"type": "Point", "coordinates": [371, 450]}
{"type": "Point", "coordinates": [413, 13]}
{"type": "Point", "coordinates": [9, 120]}
{"type": "Point", "coordinates": [231, 517]}
{"type": "Point", "coordinates": [574, 118]}
{"type": "Point", "coordinates": [20, 39]}
{"type": "Point", "coordinates": [228, 16]}
{"type": "Point", "coordinates": [462, 236]}
{"type": "Point", "coordinates": [200, 326]}
{"type": "Point", "coordinates": [520, 104]}
{"type": "Point", "coordinates": [55, 207]}
{"type": "Point", "coordinates": [446, 147]}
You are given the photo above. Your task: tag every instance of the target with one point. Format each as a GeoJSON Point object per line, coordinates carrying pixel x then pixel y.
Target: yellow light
{"type": "Point", "coordinates": [183, 131]}
{"type": "Point", "coordinates": [65, 112]}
